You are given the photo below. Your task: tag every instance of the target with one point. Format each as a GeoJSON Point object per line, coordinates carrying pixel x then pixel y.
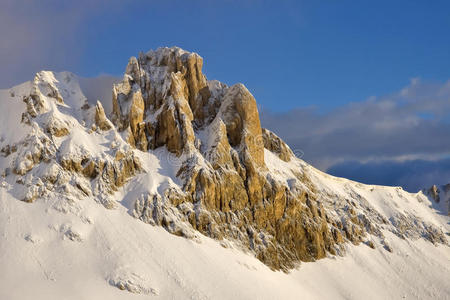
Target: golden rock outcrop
{"type": "Point", "coordinates": [227, 190]}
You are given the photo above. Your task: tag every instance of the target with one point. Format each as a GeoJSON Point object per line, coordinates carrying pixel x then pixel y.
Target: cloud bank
{"type": "Point", "coordinates": [406, 134]}
{"type": "Point", "coordinates": [412, 175]}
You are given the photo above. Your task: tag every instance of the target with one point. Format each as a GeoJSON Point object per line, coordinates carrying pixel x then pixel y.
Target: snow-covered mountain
{"type": "Point", "coordinates": [175, 191]}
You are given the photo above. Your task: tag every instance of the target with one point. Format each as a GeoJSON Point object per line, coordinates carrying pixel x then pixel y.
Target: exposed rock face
{"type": "Point", "coordinates": [68, 167]}
{"type": "Point", "coordinates": [227, 190]}
{"type": "Point", "coordinates": [100, 118]}
{"type": "Point", "coordinates": [434, 193]}
{"type": "Point", "coordinates": [164, 100]}
{"type": "Point", "coordinates": [274, 144]}
{"type": "Point", "coordinates": [169, 90]}
{"type": "Point", "coordinates": [441, 196]}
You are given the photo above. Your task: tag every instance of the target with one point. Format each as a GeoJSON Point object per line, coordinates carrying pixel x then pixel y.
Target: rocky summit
{"type": "Point", "coordinates": [189, 154]}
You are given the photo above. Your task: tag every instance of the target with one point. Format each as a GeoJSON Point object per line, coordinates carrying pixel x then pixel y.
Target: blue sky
{"type": "Point", "coordinates": [289, 53]}
{"type": "Point", "coordinates": [300, 59]}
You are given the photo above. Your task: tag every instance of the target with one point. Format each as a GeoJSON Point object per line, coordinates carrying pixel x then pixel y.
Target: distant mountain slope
{"type": "Point", "coordinates": [189, 155]}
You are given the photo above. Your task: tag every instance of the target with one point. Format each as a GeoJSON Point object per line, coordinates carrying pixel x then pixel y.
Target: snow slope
{"type": "Point", "coordinates": [67, 245]}
{"type": "Point", "coordinates": [39, 260]}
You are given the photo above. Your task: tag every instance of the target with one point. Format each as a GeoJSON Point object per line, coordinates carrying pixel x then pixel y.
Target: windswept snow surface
{"type": "Point", "coordinates": [39, 260]}
{"type": "Point", "coordinates": [58, 249]}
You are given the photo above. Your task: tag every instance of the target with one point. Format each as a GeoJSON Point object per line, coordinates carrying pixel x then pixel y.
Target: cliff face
{"type": "Point", "coordinates": [227, 191]}
{"type": "Point", "coordinates": [165, 100]}
{"type": "Point", "coordinates": [190, 155]}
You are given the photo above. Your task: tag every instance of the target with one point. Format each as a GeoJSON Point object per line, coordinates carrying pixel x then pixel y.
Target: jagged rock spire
{"type": "Point", "coordinates": [165, 100]}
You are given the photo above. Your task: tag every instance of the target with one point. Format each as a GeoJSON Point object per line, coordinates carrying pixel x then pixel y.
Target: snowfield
{"type": "Point", "coordinates": [46, 254]}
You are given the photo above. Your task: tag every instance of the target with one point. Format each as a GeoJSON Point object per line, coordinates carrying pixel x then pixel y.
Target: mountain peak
{"type": "Point", "coordinates": [189, 154]}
